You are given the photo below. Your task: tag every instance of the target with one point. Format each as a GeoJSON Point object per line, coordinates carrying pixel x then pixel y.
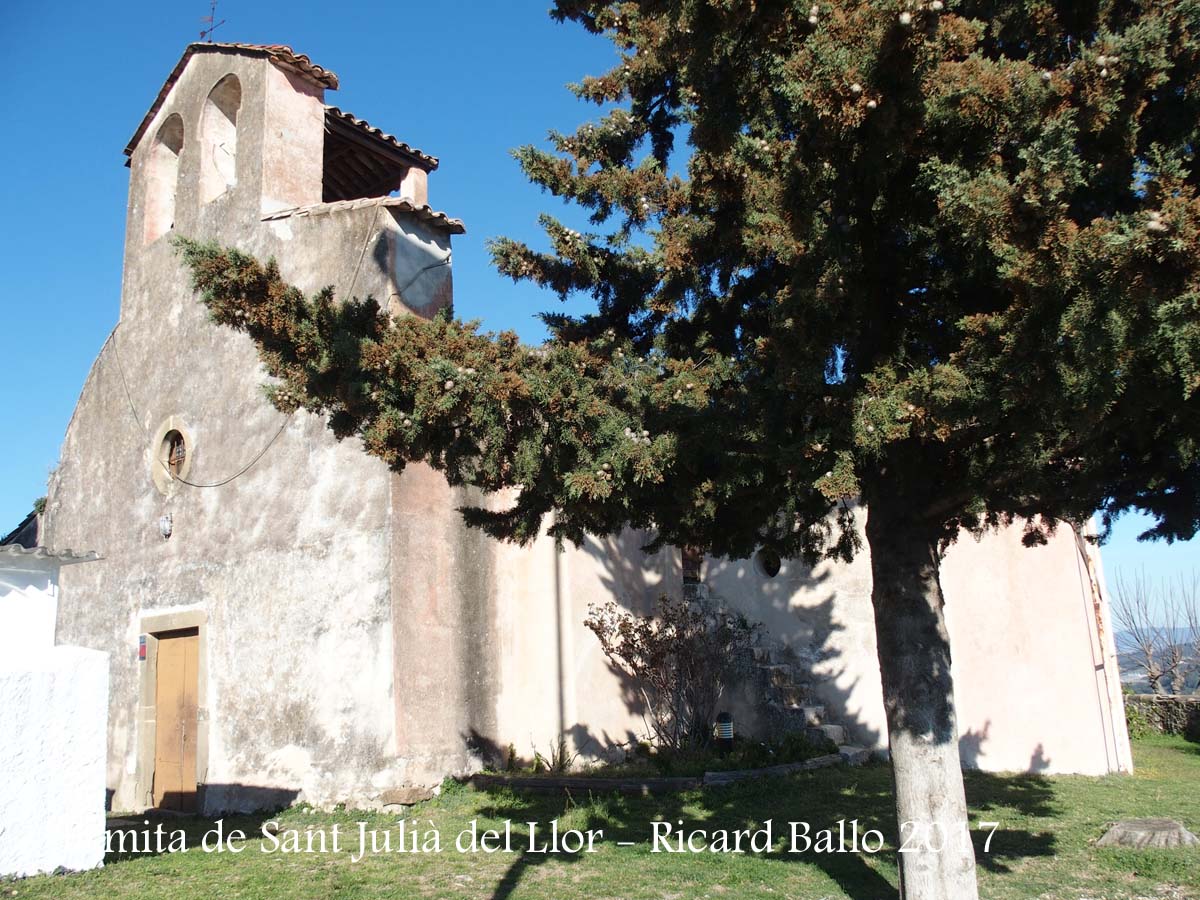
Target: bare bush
{"type": "Point", "coordinates": [1163, 623]}
{"type": "Point", "coordinates": [680, 659]}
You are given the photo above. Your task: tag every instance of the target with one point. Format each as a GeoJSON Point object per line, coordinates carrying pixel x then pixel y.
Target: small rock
{"type": "Point", "coordinates": [1148, 833]}
{"type": "Point", "coordinates": [405, 796]}
{"type": "Point", "coordinates": [854, 756]}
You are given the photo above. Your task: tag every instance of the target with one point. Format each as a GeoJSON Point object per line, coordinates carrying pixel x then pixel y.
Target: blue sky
{"type": "Point", "coordinates": [465, 81]}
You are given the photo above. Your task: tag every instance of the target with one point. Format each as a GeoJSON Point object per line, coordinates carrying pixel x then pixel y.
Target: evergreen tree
{"type": "Point", "coordinates": [936, 258]}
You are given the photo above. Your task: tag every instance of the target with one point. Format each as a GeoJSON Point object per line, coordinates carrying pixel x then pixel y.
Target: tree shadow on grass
{"type": "Point", "coordinates": [150, 834]}
{"type": "Point", "coordinates": [740, 807]}
{"type": "Point", "coordinates": [1191, 747]}
{"type": "Point", "coordinates": [991, 797]}
{"type": "Point", "coordinates": [820, 799]}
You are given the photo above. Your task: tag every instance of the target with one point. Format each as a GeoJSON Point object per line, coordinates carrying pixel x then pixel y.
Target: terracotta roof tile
{"type": "Point", "coordinates": [286, 55]}
{"type": "Point", "coordinates": [63, 557]}
{"type": "Point", "coordinates": [280, 53]}
{"type": "Point", "coordinates": [430, 162]}
{"type": "Point", "coordinates": [424, 213]}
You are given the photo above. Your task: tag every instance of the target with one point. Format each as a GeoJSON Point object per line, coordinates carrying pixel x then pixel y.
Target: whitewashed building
{"type": "Point", "coordinates": [53, 724]}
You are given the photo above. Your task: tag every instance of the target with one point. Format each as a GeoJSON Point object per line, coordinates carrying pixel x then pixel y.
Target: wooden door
{"type": "Point", "coordinates": [175, 720]}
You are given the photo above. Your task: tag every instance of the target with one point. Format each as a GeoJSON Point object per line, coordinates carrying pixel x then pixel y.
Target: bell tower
{"type": "Point", "coordinates": [234, 127]}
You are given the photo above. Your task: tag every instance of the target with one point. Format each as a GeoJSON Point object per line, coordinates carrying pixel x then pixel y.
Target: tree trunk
{"type": "Point", "coordinates": [937, 860]}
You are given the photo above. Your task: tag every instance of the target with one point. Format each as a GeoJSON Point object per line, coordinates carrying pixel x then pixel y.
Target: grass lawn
{"type": "Point", "coordinates": [1042, 849]}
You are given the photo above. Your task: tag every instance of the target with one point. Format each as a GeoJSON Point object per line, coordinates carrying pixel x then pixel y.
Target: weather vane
{"type": "Point", "coordinates": [211, 21]}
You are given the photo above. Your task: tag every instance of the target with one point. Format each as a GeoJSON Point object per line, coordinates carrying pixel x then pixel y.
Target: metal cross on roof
{"type": "Point", "coordinates": [211, 19]}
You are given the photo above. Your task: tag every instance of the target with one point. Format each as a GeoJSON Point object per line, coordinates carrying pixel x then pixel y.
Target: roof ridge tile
{"type": "Point", "coordinates": [380, 134]}
{"type": "Point", "coordinates": [279, 52]}
{"type": "Point", "coordinates": [423, 211]}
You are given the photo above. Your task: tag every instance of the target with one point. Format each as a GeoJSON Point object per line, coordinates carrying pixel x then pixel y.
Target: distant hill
{"type": "Point", "coordinates": [1126, 644]}
{"type": "Point", "coordinates": [1128, 657]}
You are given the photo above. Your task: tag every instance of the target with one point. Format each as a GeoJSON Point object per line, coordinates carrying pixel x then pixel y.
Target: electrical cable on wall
{"type": "Point", "coordinates": [112, 339]}
{"type": "Point", "coordinates": [444, 261]}
{"type": "Point", "coordinates": [363, 253]}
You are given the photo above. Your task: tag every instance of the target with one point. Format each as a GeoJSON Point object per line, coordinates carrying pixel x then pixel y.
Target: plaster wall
{"type": "Point", "coordinates": [28, 607]}
{"type": "Point", "coordinates": [1030, 664]}
{"type": "Point", "coordinates": [1023, 624]}
{"type": "Point", "coordinates": [356, 635]}
{"type": "Point", "coordinates": [491, 647]}
{"type": "Point", "coordinates": [287, 557]}
{"type": "Point", "coordinates": [824, 615]}
{"type": "Point", "coordinates": [52, 745]}
{"type": "Point", "coordinates": [443, 614]}
{"type": "Point", "coordinates": [554, 677]}
{"type": "Point", "coordinates": [293, 137]}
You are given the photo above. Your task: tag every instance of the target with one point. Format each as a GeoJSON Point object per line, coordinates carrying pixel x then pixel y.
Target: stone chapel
{"type": "Point", "coordinates": [287, 619]}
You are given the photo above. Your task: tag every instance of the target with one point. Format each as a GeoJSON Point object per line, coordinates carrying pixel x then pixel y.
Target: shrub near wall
{"type": "Point", "coordinates": [1167, 714]}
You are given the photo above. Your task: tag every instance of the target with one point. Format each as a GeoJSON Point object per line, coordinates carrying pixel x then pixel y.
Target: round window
{"type": "Point", "coordinates": [172, 454]}
{"type": "Point", "coordinates": [767, 562]}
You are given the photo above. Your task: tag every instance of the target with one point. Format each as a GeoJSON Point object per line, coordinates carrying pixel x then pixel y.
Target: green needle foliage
{"type": "Point", "coordinates": [944, 253]}
{"type": "Point", "coordinates": [940, 256]}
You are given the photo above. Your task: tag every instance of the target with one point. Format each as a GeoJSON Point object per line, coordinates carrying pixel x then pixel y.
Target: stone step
{"type": "Point", "coordinates": [812, 714]}
{"type": "Point", "coordinates": [792, 695]}
{"type": "Point", "coordinates": [835, 733]}
{"type": "Point", "coordinates": [802, 715]}
{"type": "Point", "coordinates": [777, 675]}
{"type": "Point", "coordinates": [854, 756]}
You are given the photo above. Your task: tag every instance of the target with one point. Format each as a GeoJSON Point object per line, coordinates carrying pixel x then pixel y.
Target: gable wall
{"type": "Point", "coordinates": [357, 636]}
{"type": "Point", "coordinates": [287, 564]}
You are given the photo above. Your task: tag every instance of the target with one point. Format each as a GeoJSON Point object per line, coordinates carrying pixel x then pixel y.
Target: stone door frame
{"type": "Point", "coordinates": [149, 627]}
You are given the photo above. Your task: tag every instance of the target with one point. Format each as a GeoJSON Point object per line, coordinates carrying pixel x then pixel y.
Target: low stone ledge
{"type": "Point", "coordinates": [712, 779]}
{"type": "Point", "coordinates": [852, 756]}
{"type": "Point", "coordinates": [1169, 713]}
{"type": "Point", "coordinates": [554, 784]}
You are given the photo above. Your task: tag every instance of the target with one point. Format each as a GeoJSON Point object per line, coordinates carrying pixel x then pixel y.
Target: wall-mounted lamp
{"type": "Point", "coordinates": [724, 733]}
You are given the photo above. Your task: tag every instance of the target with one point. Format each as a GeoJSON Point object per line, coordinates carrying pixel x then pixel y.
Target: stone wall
{"type": "Point", "coordinates": [278, 542]}
{"type": "Point", "coordinates": [1169, 714]}
{"type": "Point", "coordinates": [1019, 618]}
{"type": "Point", "coordinates": [354, 637]}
